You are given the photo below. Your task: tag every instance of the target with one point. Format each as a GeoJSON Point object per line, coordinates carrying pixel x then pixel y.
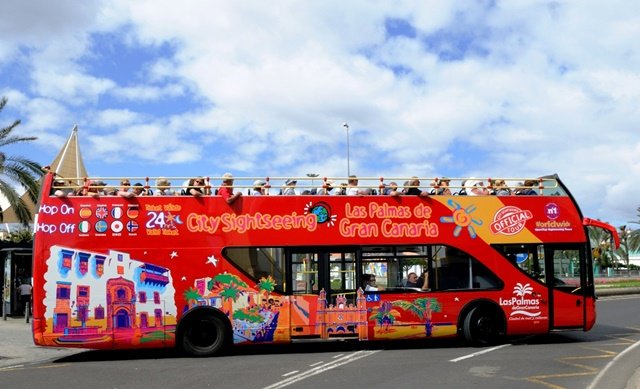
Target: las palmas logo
{"type": "Point", "coordinates": [520, 304]}
{"type": "Point", "coordinates": [522, 290]}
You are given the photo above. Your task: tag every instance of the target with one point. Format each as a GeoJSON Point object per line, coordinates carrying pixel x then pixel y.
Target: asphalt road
{"type": "Point", "coordinates": [604, 357]}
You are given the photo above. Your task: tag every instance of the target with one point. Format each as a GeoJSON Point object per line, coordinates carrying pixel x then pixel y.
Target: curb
{"type": "Point", "coordinates": [616, 291]}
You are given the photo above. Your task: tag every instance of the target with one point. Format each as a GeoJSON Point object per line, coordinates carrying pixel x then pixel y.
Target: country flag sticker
{"type": "Point", "coordinates": [101, 226]}
{"type": "Point", "coordinates": [132, 212]}
{"type": "Point", "coordinates": [117, 226]}
{"type": "Point", "coordinates": [132, 226]}
{"type": "Point", "coordinates": [84, 226]}
{"type": "Point", "coordinates": [85, 212]}
{"type": "Point", "coordinates": [116, 212]}
{"type": "Point", "coordinates": [102, 212]}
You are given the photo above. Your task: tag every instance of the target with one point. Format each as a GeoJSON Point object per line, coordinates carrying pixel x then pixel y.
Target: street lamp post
{"type": "Point", "coordinates": [345, 125]}
{"type": "Point", "coordinates": [312, 176]}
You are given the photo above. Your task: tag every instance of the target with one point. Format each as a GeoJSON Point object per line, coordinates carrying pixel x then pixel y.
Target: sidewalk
{"type": "Point", "coordinates": [17, 348]}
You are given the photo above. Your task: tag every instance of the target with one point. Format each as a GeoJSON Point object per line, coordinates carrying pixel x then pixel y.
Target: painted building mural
{"type": "Point", "coordinates": [99, 298]}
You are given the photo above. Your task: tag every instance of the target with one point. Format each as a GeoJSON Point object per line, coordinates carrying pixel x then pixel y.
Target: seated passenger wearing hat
{"type": "Point", "coordinates": [289, 187]}
{"type": "Point", "coordinates": [258, 188]}
{"type": "Point", "coordinates": [475, 187]}
{"type": "Point", "coordinates": [226, 189]}
{"type": "Point", "coordinates": [163, 187]}
{"type": "Point", "coordinates": [60, 188]}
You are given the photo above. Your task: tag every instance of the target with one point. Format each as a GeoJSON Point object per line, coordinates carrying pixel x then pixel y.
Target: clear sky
{"type": "Point", "coordinates": [262, 88]}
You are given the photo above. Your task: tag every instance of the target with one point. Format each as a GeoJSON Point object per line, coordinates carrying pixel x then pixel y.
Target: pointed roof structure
{"type": "Point", "coordinates": [68, 163]}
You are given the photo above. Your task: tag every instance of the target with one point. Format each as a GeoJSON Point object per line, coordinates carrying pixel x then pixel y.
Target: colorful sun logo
{"type": "Point", "coordinates": [462, 218]}
{"type": "Point", "coordinates": [322, 212]}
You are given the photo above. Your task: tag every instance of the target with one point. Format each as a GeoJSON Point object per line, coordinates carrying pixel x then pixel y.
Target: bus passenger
{"type": "Point", "coordinates": [125, 189]}
{"type": "Point", "coordinates": [258, 188]}
{"type": "Point", "coordinates": [475, 187]}
{"type": "Point", "coordinates": [391, 187]}
{"type": "Point", "coordinates": [352, 187]}
{"type": "Point", "coordinates": [195, 187]}
{"type": "Point", "coordinates": [500, 188]}
{"type": "Point", "coordinates": [412, 188]}
{"type": "Point", "coordinates": [60, 189]}
{"type": "Point", "coordinates": [289, 188]}
{"type": "Point", "coordinates": [226, 189]}
{"type": "Point", "coordinates": [90, 188]}
{"type": "Point", "coordinates": [441, 186]}
{"type": "Point", "coordinates": [528, 188]}
{"type": "Point", "coordinates": [140, 190]}
{"type": "Point", "coordinates": [369, 282]}
{"type": "Point", "coordinates": [163, 187]}
{"type": "Point", "coordinates": [328, 188]}
{"type": "Point", "coordinates": [423, 280]}
{"type": "Point", "coordinates": [411, 281]}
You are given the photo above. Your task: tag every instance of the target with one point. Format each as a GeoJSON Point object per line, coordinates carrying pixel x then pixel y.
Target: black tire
{"type": "Point", "coordinates": [204, 335]}
{"type": "Point", "coordinates": [482, 326]}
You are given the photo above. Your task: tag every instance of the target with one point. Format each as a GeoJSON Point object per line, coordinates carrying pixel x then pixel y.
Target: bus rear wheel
{"type": "Point", "coordinates": [204, 335]}
{"type": "Point", "coordinates": [482, 326]}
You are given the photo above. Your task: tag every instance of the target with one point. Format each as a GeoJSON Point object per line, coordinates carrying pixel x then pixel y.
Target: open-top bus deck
{"type": "Point", "coordinates": [116, 271]}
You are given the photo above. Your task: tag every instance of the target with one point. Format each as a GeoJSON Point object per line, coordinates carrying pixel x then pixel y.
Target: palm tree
{"type": "Point", "coordinates": [634, 237]}
{"type": "Point", "coordinates": [600, 240]}
{"type": "Point", "coordinates": [626, 243]}
{"type": "Point", "coordinates": [17, 170]}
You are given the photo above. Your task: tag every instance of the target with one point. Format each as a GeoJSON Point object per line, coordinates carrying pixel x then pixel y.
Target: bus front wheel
{"type": "Point", "coordinates": [482, 326]}
{"type": "Point", "coordinates": [204, 335]}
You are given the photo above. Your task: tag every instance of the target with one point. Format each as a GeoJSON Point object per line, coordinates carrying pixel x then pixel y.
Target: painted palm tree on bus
{"type": "Point", "coordinates": [16, 170]}
{"type": "Point", "coordinates": [191, 296]}
{"type": "Point", "coordinates": [422, 308]}
{"type": "Point", "coordinates": [266, 285]}
{"type": "Point", "coordinates": [229, 287]}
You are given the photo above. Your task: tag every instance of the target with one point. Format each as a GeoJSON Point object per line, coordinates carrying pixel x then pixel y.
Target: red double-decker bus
{"type": "Point", "coordinates": [201, 274]}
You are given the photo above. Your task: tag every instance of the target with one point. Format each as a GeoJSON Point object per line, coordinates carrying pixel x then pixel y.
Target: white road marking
{"type": "Point", "coordinates": [478, 353]}
{"type": "Point", "coordinates": [316, 364]}
{"type": "Point", "coordinates": [12, 367]}
{"type": "Point", "coordinates": [290, 373]}
{"type": "Point", "coordinates": [338, 356]}
{"type": "Point", "coordinates": [596, 381]}
{"type": "Point", "coordinates": [322, 368]}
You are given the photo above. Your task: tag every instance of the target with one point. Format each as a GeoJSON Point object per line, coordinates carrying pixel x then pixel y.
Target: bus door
{"type": "Point", "coordinates": [566, 278]}
{"type": "Point", "coordinates": [323, 293]}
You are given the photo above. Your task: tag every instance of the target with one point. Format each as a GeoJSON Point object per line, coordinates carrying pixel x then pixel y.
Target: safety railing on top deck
{"type": "Point", "coordinates": [310, 186]}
